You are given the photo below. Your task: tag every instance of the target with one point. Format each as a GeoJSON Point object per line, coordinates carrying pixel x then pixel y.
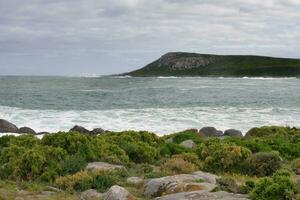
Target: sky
{"type": "Point", "coordinates": [100, 37]}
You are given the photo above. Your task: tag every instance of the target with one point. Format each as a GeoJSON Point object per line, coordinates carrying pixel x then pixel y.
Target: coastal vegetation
{"type": "Point", "coordinates": [263, 164]}
{"type": "Point", "coordinates": [193, 64]}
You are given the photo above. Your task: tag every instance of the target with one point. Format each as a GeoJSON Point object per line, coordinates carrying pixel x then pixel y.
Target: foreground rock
{"type": "Point", "coordinates": [233, 133]}
{"type": "Point", "coordinates": [204, 195]}
{"type": "Point", "coordinates": [102, 166]}
{"type": "Point", "coordinates": [7, 127]}
{"type": "Point", "coordinates": [118, 193]}
{"type": "Point", "coordinates": [210, 132]}
{"type": "Point", "coordinates": [171, 184]}
{"type": "Point", "coordinates": [188, 144]}
{"type": "Point", "coordinates": [135, 181]}
{"type": "Point", "coordinates": [27, 130]}
{"type": "Point", "coordinates": [91, 195]}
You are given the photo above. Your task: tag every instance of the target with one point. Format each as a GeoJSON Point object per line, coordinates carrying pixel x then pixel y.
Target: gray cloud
{"type": "Point", "coordinates": [113, 36]}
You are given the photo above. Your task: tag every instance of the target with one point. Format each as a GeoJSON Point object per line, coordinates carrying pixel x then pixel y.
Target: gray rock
{"type": "Point", "coordinates": [91, 195]}
{"type": "Point", "coordinates": [188, 144]}
{"type": "Point", "coordinates": [210, 132]}
{"type": "Point", "coordinates": [204, 195]}
{"type": "Point", "coordinates": [233, 133]}
{"type": "Point", "coordinates": [97, 131]}
{"type": "Point", "coordinates": [157, 186]}
{"type": "Point", "coordinates": [80, 129]}
{"type": "Point", "coordinates": [118, 193]}
{"type": "Point", "coordinates": [7, 127]}
{"type": "Point", "coordinates": [135, 181]}
{"type": "Point", "coordinates": [26, 130]}
{"type": "Point", "coordinates": [103, 166]}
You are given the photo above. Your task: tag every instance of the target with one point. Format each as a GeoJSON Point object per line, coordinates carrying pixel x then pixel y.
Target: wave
{"type": "Point", "coordinates": [158, 120]}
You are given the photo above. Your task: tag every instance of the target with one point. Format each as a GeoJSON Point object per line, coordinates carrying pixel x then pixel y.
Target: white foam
{"type": "Point", "coordinates": [158, 120]}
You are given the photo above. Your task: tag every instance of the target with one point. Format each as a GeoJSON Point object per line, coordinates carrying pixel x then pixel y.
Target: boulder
{"type": "Point", "coordinates": [102, 166]}
{"type": "Point", "coordinates": [26, 130]}
{"type": "Point", "coordinates": [135, 181]}
{"type": "Point", "coordinates": [188, 144]}
{"type": "Point", "coordinates": [210, 132]}
{"type": "Point", "coordinates": [157, 186]}
{"type": "Point", "coordinates": [7, 127]}
{"type": "Point", "coordinates": [233, 133]}
{"type": "Point", "coordinates": [176, 187]}
{"type": "Point", "coordinates": [118, 193]}
{"type": "Point", "coordinates": [91, 195]}
{"type": "Point", "coordinates": [80, 129]}
{"type": "Point", "coordinates": [97, 131]}
{"type": "Point", "coordinates": [204, 195]}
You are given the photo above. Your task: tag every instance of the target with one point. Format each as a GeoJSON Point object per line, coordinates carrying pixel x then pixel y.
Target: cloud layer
{"type": "Point", "coordinates": [65, 37]}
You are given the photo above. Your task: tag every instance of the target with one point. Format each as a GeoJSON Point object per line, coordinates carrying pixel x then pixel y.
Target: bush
{"type": "Point", "coordinates": [177, 165]}
{"type": "Point", "coordinates": [274, 131]}
{"type": "Point", "coordinates": [228, 184]}
{"type": "Point", "coordinates": [296, 163]}
{"type": "Point", "coordinates": [186, 135]}
{"type": "Point", "coordinates": [263, 163]}
{"type": "Point", "coordinates": [280, 186]}
{"type": "Point", "coordinates": [223, 157]}
{"type": "Point", "coordinates": [119, 138]}
{"type": "Point", "coordinates": [189, 157]}
{"type": "Point", "coordinates": [73, 143]}
{"type": "Point", "coordinates": [84, 180]}
{"type": "Point", "coordinates": [28, 164]}
{"type": "Point", "coordinates": [169, 149]}
{"type": "Point", "coordinates": [140, 152]}
{"type": "Point", "coordinates": [72, 165]}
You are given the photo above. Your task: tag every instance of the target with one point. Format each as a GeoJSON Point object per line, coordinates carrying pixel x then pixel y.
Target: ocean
{"type": "Point", "coordinates": [162, 105]}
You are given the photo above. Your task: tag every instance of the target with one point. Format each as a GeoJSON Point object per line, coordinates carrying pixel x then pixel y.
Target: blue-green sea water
{"type": "Point", "coordinates": [162, 105]}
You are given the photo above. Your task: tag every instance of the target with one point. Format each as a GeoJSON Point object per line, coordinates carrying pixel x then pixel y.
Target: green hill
{"type": "Point", "coordinates": [193, 64]}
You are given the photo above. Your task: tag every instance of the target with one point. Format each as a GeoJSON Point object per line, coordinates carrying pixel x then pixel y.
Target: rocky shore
{"type": "Point", "coordinates": [9, 127]}
{"type": "Point", "coordinates": [204, 164]}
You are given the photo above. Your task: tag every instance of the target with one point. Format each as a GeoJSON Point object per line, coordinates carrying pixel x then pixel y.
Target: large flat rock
{"type": "Point", "coordinates": [204, 195]}
{"type": "Point", "coordinates": [158, 186]}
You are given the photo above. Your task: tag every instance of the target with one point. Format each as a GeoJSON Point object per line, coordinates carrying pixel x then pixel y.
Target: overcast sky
{"type": "Point", "coordinates": [95, 37]}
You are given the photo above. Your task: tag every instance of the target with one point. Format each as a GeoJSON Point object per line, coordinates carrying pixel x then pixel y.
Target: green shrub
{"type": "Point", "coordinates": [280, 186]}
{"type": "Point", "coordinates": [296, 163]}
{"type": "Point", "coordinates": [254, 144]}
{"type": "Point", "coordinates": [73, 143]}
{"type": "Point", "coordinates": [9, 160]}
{"type": "Point", "coordinates": [120, 138]}
{"type": "Point", "coordinates": [140, 152]}
{"type": "Point", "coordinates": [228, 184]}
{"type": "Point", "coordinates": [84, 180]}
{"type": "Point", "coordinates": [169, 149]}
{"type": "Point", "coordinates": [28, 164]}
{"type": "Point", "coordinates": [186, 135]}
{"type": "Point", "coordinates": [263, 163]}
{"type": "Point", "coordinates": [72, 165]}
{"type": "Point", "coordinates": [274, 131]}
{"type": "Point", "coordinates": [223, 157]}
{"type": "Point", "coordinates": [189, 157]}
